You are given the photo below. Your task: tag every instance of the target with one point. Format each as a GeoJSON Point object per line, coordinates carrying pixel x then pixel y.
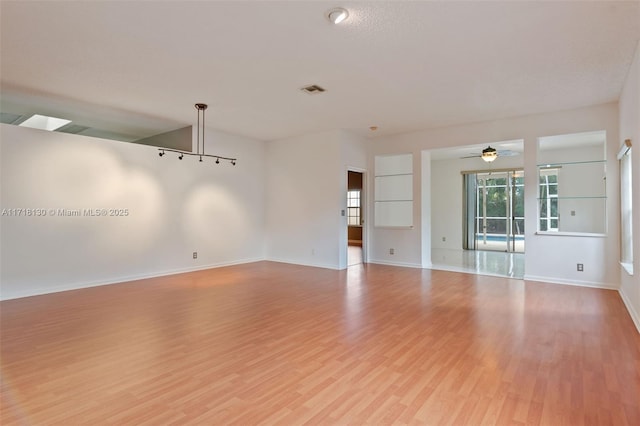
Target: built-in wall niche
{"type": "Point", "coordinates": [572, 194]}
{"type": "Point", "coordinates": [393, 190]}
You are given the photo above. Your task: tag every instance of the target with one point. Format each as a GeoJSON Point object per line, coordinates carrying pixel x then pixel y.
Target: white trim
{"type": "Point", "coordinates": [577, 283]}
{"type": "Point", "coordinates": [312, 265]}
{"type": "Point", "coordinates": [628, 267]}
{"type": "Point", "coordinates": [123, 279]}
{"type": "Point", "coordinates": [624, 149]}
{"type": "Point", "coordinates": [571, 234]}
{"type": "Point", "coordinates": [393, 227]}
{"type": "Point", "coordinates": [632, 312]}
{"type": "Point", "coordinates": [402, 264]}
{"type": "Point", "coordinates": [364, 215]}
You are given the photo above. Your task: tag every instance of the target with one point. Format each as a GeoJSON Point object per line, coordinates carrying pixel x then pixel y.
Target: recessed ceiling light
{"type": "Point", "coordinates": [44, 122]}
{"type": "Point", "coordinates": [337, 15]}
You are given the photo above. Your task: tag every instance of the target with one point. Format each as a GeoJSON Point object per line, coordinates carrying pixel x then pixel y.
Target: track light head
{"type": "Point", "coordinates": [161, 153]}
{"type": "Point", "coordinates": [181, 157]}
{"type": "Point", "coordinates": [217, 160]}
{"type": "Point", "coordinates": [201, 158]}
{"type": "Point", "coordinates": [233, 162]}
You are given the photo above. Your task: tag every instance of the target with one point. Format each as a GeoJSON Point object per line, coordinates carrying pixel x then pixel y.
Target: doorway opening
{"type": "Point", "coordinates": [494, 211]}
{"type": "Point", "coordinates": [355, 217]}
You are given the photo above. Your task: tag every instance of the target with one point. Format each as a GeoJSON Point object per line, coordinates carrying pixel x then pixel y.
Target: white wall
{"type": "Point", "coordinates": [306, 193]}
{"type": "Point", "coordinates": [630, 129]}
{"type": "Point", "coordinates": [599, 255]}
{"type": "Point", "coordinates": [174, 208]}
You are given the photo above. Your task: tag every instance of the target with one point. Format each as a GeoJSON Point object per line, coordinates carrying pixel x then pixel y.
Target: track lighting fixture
{"type": "Point", "coordinates": [199, 152]}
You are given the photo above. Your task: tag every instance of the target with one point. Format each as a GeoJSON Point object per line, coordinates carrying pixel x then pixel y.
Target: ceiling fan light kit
{"type": "Point", "coordinates": [489, 154]}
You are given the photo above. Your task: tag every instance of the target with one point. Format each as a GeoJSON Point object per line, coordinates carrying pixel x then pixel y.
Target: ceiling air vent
{"type": "Point", "coordinates": [313, 89]}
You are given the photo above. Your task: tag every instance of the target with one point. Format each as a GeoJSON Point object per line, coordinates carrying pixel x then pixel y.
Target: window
{"type": "Point", "coordinates": [353, 208]}
{"type": "Point", "coordinates": [548, 200]}
{"type": "Point", "coordinates": [626, 216]}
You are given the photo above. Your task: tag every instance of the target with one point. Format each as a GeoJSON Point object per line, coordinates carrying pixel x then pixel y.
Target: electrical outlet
{"type": "Point", "coordinates": [444, 239]}
{"type": "Point", "coordinates": [392, 251]}
{"type": "Point", "coordinates": [573, 212]}
{"type": "Point", "coordinates": [313, 252]}
{"type": "Point", "coordinates": [195, 254]}
{"type": "Point", "coordinates": [580, 267]}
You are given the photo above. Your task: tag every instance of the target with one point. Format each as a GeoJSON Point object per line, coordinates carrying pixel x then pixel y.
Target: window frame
{"type": "Point", "coordinates": [357, 209]}
{"type": "Point", "coordinates": [625, 169]}
{"type": "Point", "coordinates": [543, 188]}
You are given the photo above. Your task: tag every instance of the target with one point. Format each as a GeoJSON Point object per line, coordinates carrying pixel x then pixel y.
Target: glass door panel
{"type": "Point", "coordinates": [499, 211]}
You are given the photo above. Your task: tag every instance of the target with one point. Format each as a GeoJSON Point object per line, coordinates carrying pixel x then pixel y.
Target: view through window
{"type": "Point", "coordinates": [549, 200]}
{"type": "Point", "coordinates": [353, 208]}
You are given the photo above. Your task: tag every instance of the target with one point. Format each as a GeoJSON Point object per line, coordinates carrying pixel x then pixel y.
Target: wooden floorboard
{"type": "Point", "coordinates": [270, 343]}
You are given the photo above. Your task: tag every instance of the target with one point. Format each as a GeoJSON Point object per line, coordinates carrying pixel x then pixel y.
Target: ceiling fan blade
{"type": "Point", "coordinates": [507, 153]}
{"type": "Point", "coordinates": [472, 156]}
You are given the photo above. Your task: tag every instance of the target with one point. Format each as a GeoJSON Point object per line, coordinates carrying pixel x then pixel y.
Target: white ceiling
{"type": "Point", "coordinates": [401, 66]}
{"type": "Point", "coordinates": [515, 147]}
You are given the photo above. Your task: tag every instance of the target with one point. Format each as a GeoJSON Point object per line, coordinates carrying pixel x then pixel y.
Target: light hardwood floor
{"type": "Point", "coordinates": [270, 343]}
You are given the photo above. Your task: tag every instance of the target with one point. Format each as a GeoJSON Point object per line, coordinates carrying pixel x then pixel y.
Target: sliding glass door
{"type": "Point", "coordinates": [494, 211]}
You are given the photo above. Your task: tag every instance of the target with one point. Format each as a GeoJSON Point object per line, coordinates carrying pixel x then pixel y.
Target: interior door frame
{"type": "Point", "coordinates": [363, 212]}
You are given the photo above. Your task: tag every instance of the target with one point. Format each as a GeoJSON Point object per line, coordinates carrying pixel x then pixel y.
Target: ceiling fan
{"type": "Point", "coordinates": [489, 154]}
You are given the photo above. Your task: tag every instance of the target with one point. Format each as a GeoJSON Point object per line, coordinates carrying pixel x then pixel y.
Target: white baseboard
{"type": "Point", "coordinates": [554, 280]}
{"type": "Point", "coordinates": [295, 262]}
{"type": "Point", "coordinates": [403, 264]}
{"type": "Point", "coordinates": [632, 312]}
{"type": "Point", "coordinates": [118, 280]}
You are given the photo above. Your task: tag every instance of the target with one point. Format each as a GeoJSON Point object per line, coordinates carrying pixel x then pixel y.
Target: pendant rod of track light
{"type": "Point", "coordinates": [201, 109]}
{"type": "Point", "coordinates": [199, 131]}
